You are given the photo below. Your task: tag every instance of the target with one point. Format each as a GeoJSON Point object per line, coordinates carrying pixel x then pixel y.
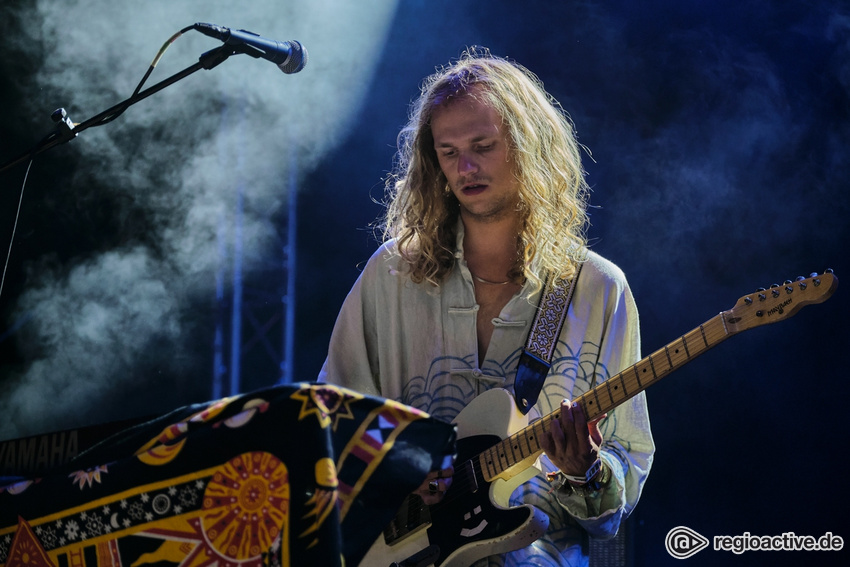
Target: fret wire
{"type": "Point", "coordinates": [503, 459]}
{"type": "Point", "coordinates": [682, 352]}
{"type": "Point", "coordinates": [652, 365]}
{"type": "Point", "coordinates": [637, 376]}
{"type": "Point", "coordinates": [529, 437]}
{"type": "Point", "coordinates": [634, 381]}
{"type": "Point", "coordinates": [509, 446]}
{"type": "Point", "coordinates": [595, 392]}
{"type": "Point", "coordinates": [597, 404]}
{"type": "Point", "coordinates": [544, 427]}
{"type": "Point", "coordinates": [499, 454]}
{"type": "Point", "coordinates": [623, 383]}
{"type": "Point", "coordinates": [598, 411]}
{"type": "Point", "coordinates": [496, 458]}
{"type": "Point", "coordinates": [488, 463]}
{"type": "Point", "coordinates": [608, 387]}
{"type": "Point", "coordinates": [699, 346]}
{"type": "Point", "coordinates": [516, 445]}
{"type": "Point", "coordinates": [486, 466]}
{"type": "Point", "coordinates": [529, 433]}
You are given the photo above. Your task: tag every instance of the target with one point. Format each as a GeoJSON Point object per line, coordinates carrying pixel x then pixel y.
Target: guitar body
{"type": "Point", "coordinates": [474, 520]}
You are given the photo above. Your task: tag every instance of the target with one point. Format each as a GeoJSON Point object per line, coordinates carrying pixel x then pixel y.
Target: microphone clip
{"type": "Point", "coordinates": [64, 126]}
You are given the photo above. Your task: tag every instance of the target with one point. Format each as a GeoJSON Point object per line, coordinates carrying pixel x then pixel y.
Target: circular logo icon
{"type": "Point", "coordinates": [161, 503]}
{"type": "Point", "coordinates": [683, 542]}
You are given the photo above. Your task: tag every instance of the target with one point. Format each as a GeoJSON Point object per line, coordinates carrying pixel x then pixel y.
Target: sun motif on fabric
{"type": "Point", "coordinates": [26, 550]}
{"type": "Point", "coordinates": [246, 504]}
{"type": "Point", "coordinates": [328, 403]}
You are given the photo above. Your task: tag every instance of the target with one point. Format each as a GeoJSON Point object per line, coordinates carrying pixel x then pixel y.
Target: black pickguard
{"type": "Point", "coordinates": [466, 516]}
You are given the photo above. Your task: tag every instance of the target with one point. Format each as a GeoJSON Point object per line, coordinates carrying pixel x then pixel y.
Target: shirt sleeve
{"type": "Point", "coordinates": [352, 360]}
{"type": "Point", "coordinates": [627, 447]}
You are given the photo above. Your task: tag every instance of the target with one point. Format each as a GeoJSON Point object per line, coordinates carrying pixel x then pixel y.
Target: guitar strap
{"type": "Point", "coordinates": [542, 339]}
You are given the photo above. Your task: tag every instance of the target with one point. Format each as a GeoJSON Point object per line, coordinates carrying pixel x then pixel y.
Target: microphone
{"type": "Point", "coordinates": [289, 56]}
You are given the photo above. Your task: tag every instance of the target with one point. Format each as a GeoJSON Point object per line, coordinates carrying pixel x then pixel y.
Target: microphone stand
{"type": "Point", "coordinates": [66, 130]}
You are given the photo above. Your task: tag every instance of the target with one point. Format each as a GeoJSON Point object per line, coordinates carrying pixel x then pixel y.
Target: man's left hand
{"type": "Point", "coordinates": [572, 443]}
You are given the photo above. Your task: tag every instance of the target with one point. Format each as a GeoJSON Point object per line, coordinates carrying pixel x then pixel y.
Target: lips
{"type": "Point", "coordinates": [473, 188]}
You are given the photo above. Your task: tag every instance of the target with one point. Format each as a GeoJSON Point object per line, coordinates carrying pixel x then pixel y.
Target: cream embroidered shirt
{"type": "Point", "coordinates": [417, 344]}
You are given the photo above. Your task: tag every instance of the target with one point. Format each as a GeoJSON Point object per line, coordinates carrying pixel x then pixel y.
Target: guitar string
{"type": "Point", "coordinates": [713, 332]}
{"type": "Point", "coordinates": [465, 485]}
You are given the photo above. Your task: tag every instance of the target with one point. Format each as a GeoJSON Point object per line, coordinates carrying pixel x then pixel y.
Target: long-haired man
{"type": "Point", "coordinates": [486, 204]}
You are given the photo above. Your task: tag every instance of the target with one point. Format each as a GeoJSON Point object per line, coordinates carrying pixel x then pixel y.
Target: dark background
{"type": "Point", "coordinates": [719, 133]}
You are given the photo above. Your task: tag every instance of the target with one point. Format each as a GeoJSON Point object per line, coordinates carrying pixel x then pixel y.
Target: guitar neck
{"type": "Point", "coordinates": [765, 306]}
{"type": "Point", "coordinates": [522, 448]}
{"type": "Point", "coordinates": [510, 459]}
{"type": "Point", "coordinates": [630, 382]}
{"type": "Point", "coordinates": [507, 459]}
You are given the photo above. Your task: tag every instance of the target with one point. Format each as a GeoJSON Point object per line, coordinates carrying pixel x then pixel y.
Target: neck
{"type": "Point", "coordinates": [490, 248]}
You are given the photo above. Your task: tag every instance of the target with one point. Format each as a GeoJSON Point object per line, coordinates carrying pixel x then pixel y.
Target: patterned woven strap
{"type": "Point", "coordinates": [537, 355]}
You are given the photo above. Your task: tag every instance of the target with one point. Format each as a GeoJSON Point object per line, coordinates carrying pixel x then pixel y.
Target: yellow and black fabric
{"type": "Point", "coordinates": [304, 474]}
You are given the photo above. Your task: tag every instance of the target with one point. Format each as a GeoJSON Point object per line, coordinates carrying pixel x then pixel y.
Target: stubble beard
{"type": "Point", "coordinates": [505, 207]}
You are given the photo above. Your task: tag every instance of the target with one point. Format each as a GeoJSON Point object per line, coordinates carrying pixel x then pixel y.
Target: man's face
{"type": "Point", "coordinates": [474, 154]}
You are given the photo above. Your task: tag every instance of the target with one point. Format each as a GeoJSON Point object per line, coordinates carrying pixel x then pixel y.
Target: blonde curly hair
{"type": "Point", "coordinates": [422, 216]}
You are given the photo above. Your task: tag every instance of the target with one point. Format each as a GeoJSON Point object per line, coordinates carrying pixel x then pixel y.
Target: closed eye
{"type": "Point", "coordinates": [449, 152]}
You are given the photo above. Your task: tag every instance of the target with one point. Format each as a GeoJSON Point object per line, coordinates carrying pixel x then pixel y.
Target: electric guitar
{"type": "Point", "coordinates": [497, 448]}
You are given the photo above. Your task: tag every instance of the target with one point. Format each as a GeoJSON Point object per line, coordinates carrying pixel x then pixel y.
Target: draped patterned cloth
{"type": "Point", "coordinates": [298, 475]}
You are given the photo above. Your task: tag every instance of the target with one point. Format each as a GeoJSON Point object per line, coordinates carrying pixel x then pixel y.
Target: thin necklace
{"type": "Point", "coordinates": [482, 280]}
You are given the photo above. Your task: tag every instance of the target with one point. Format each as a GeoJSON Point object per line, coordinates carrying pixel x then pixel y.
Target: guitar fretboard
{"type": "Point", "coordinates": [510, 457]}
{"type": "Point", "coordinates": [524, 445]}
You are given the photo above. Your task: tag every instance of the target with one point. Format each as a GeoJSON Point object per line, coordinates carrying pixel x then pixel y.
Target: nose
{"type": "Point", "coordinates": [466, 164]}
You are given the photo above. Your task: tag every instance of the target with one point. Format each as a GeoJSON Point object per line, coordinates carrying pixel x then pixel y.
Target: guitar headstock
{"type": "Point", "coordinates": [779, 302]}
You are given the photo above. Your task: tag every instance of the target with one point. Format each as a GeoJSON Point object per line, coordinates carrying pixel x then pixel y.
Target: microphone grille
{"type": "Point", "coordinates": [297, 59]}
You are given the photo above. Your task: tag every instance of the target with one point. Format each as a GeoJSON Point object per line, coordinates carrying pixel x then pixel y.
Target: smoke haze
{"type": "Point", "coordinates": [170, 166]}
{"type": "Point", "coordinates": [720, 135]}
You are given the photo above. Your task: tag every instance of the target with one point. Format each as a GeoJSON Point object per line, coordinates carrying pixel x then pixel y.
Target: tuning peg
{"type": "Point", "coordinates": [813, 275]}
{"type": "Point", "coordinates": [800, 278]}
{"type": "Point", "coordinates": [828, 271]}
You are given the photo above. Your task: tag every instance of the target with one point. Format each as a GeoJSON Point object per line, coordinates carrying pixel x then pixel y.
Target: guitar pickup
{"type": "Point", "coordinates": [469, 473]}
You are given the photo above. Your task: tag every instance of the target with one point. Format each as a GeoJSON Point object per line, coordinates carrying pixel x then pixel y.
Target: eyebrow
{"type": "Point", "coordinates": [474, 140]}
